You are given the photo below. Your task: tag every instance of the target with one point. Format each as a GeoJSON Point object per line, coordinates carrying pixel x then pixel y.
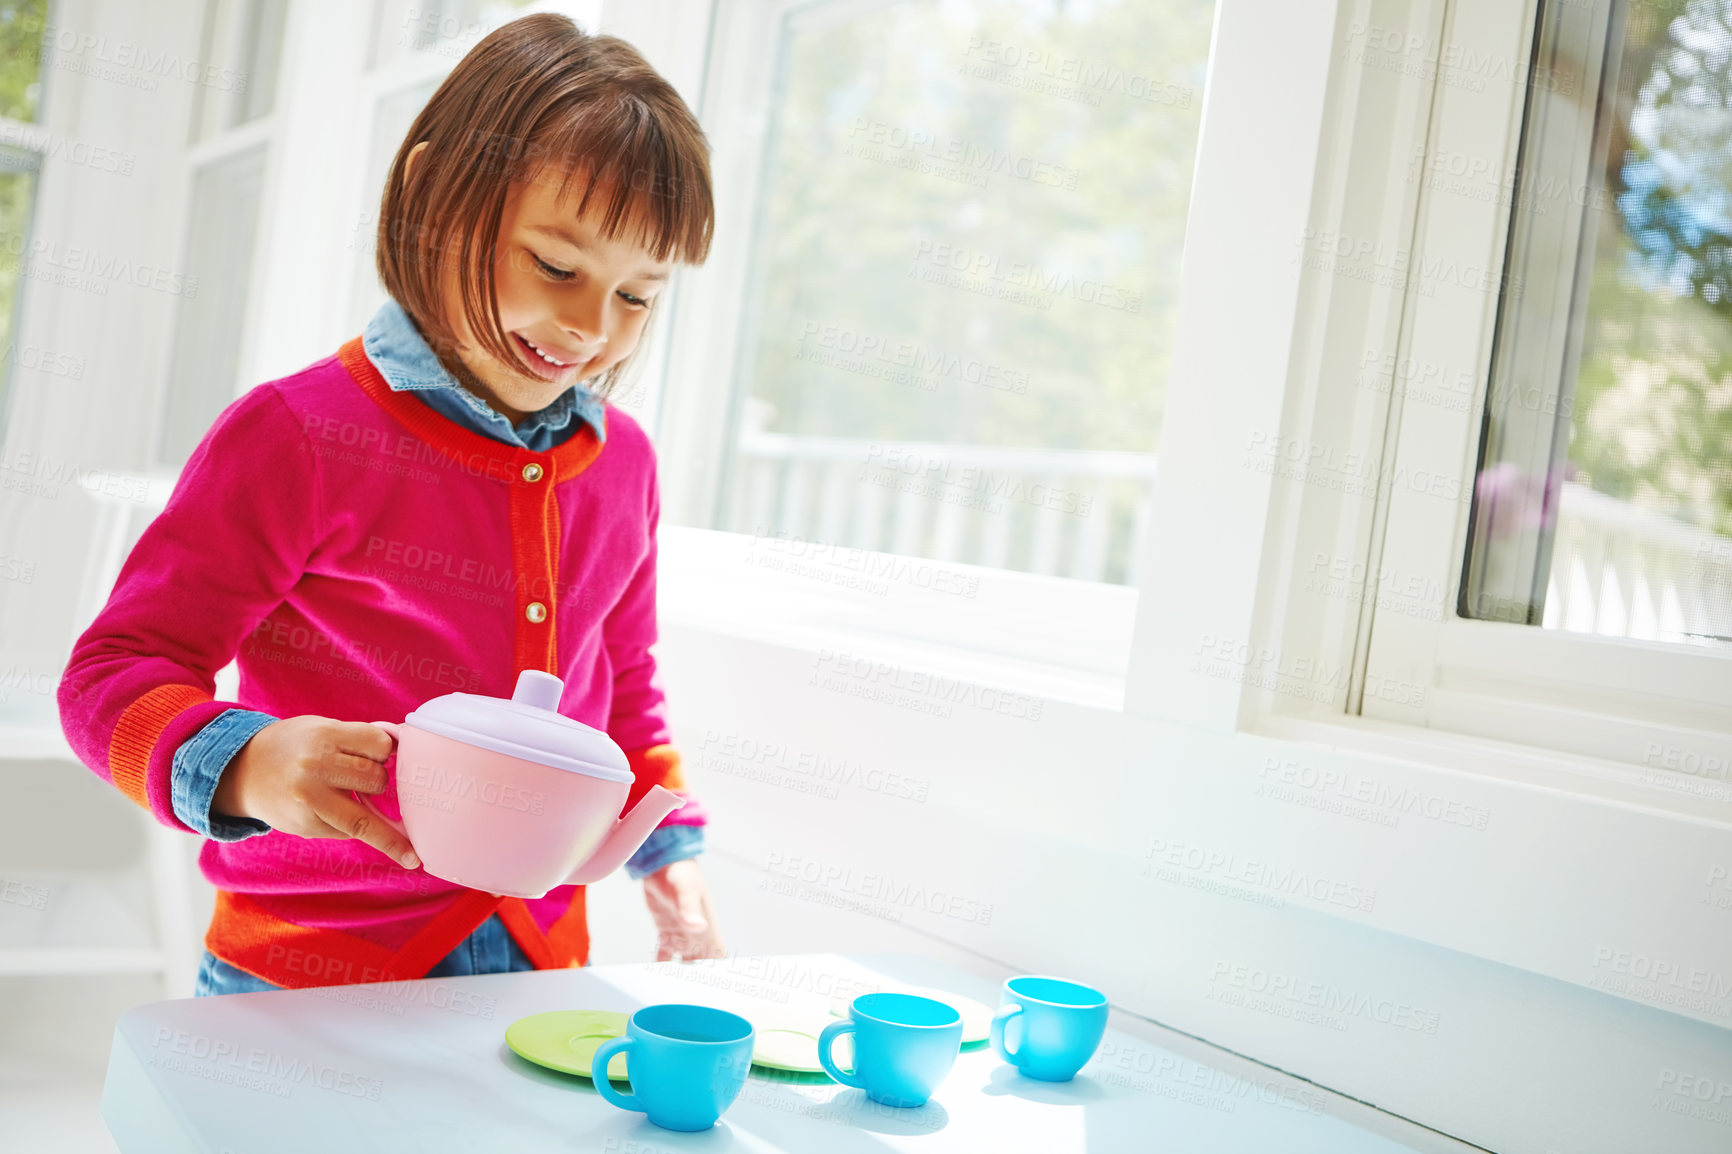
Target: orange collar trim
{"type": "Point", "coordinates": [465, 447]}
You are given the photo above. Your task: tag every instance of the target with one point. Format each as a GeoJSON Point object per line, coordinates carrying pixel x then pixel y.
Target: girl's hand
{"type": "Point", "coordinates": [295, 776]}
{"type": "Point", "coordinates": [679, 901]}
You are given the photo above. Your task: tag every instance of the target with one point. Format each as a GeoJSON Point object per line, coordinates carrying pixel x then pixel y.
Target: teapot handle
{"type": "Point", "coordinates": [366, 799]}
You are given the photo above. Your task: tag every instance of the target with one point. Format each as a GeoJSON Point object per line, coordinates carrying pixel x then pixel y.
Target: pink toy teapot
{"type": "Point", "coordinates": [511, 797]}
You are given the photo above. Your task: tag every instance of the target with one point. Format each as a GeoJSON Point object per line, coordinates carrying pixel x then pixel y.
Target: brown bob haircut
{"type": "Point", "coordinates": [538, 99]}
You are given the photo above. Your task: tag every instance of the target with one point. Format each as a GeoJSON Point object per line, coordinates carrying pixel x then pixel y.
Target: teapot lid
{"type": "Point", "coordinates": [527, 725]}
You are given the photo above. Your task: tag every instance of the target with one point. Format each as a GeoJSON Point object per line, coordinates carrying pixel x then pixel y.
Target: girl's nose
{"type": "Point", "coordinates": [585, 320]}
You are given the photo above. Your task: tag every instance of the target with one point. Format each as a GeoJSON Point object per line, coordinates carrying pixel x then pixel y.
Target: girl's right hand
{"type": "Point", "coordinates": [295, 775]}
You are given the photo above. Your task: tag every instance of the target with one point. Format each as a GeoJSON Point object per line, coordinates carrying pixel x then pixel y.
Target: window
{"type": "Point", "coordinates": [952, 306]}
{"type": "Point", "coordinates": [21, 25]}
{"type": "Point", "coordinates": [1603, 500]}
{"type": "Point", "coordinates": [209, 325]}
{"type": "Point", "coordinates": [243, 39]}
{"type": "Point", "coordinates": [228, 158]}
{"type": "Point", "coordinates": [1573, 592]}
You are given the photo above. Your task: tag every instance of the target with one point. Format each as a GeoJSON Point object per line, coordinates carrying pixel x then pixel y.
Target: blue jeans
{"type": "Point", "coordinates": [489, 950]}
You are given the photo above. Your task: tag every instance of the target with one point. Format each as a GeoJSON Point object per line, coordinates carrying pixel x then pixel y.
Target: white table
{"type": "Point", "coordinates": [423, 1066]}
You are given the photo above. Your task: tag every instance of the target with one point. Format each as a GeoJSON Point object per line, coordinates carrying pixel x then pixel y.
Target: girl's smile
{"type": "Point", "coordinates": [550, 363]}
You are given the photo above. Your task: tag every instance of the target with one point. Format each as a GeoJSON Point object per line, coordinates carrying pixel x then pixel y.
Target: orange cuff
{"type": "Point", "coordinates": [139, 729]}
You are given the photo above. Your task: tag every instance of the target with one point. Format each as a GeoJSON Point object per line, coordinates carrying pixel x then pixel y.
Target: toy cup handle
{"type": "Point", "coordinates": [1004, 1015]}
{"type": "Point", "coordinates": [598, 1073]}
{"type": "Point", "coordinates": [826, 1040]}
{"type": "Point", "coordinates": [366, 799]}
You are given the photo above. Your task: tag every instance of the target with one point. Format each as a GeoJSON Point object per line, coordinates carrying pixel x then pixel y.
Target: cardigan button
{"type": "Point", "coordinates": [537, 613]}
{"type": "Point", "coordinates": [532, 472]}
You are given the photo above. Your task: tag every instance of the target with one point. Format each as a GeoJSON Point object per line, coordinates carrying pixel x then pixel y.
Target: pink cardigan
{"type": "Point", "coordinates": [357, 554]}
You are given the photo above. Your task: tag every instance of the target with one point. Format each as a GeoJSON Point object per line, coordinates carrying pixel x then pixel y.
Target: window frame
{"type": "Point", "coordinates": [1640, 706]}
{"type": "Point", "coordinates": [9, 363]}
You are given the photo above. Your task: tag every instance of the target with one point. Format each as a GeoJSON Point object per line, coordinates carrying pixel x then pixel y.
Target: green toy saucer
{"type": "Point", "coordinates": [789, 1042]}
{"type": "Point", "coordinates": [566, 1040]}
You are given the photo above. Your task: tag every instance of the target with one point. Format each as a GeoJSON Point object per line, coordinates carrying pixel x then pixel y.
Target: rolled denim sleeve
{"type": "Point", "coordinates": [665, 845]}
{"type": "Point", "coordinates": [199, 765]}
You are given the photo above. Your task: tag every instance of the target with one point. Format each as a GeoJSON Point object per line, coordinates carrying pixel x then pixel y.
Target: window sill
{"type": "Point", "coordinates": [1048, 637]}
{"type": "Point", "coordinates": [1506, 764]}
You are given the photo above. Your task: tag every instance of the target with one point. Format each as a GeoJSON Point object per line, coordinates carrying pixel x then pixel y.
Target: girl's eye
{"type": "Point", "coordinates": [555, 273]}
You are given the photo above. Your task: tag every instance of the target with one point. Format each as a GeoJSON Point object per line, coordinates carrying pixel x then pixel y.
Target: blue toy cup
{"type": "Point", "coordinates": [1058, 1024]}
{"type": "Point", "coordinates": [904, 1045]}
{"type": "Point", "coordinates": [686, 1064]}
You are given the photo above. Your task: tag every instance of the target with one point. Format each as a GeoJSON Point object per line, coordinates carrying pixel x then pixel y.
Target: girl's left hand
{"type": "Point", "coordinates": [679, 901]}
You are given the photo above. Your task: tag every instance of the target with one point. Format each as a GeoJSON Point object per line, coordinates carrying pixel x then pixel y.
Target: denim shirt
{"type": "Point", "coordinates": [408, 364]}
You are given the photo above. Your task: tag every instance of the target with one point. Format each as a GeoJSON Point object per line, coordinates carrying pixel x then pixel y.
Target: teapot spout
{"type": "Point", "coordinates": [628, 833]}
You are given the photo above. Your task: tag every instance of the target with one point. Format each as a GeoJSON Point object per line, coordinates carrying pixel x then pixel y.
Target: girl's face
{"type": "Point", "coordinates": [571, 303]}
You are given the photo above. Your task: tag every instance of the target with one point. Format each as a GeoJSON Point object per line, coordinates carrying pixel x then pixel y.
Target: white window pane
{"type": "Point", "coordinates": [445, 28]}
{"type": "Point", "coordinates": [203, 369]}
{"type": "Point", "coordinates": [959, 311]}
{"type": "Point", "coordinates": [236, 74]}
{"type": "Point", "coordinates": [18, 172]}
{"type": "Point", "coordinates": [1604, 501]}
{"type": "Point", "coordinates": [391, 120]}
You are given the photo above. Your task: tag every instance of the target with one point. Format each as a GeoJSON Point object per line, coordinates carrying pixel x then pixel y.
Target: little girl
{"type": "Point", "coordinates": [447, 500]}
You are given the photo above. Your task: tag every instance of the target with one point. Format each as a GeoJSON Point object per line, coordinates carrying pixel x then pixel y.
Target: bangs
{"type": "Point", "coordinates": [631, 174]}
